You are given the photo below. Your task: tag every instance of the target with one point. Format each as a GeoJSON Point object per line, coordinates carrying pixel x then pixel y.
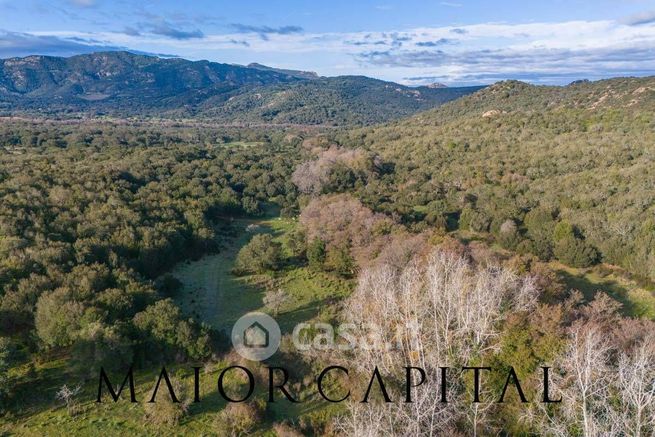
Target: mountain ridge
{"type": "Point", "coordinates": [127, 84]}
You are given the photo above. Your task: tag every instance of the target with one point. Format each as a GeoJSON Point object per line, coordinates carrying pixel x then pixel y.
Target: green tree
{"type": "Point", "coordinates": [296, 242]}
{"type": "Point", "coordinates": [261, 253]}
{"type": "Point", "coordinates": [316, 253]}
{"type": "Point", "coordinates": [163, 332]}
{"type": "Point", "coordinates": [339, 259]}
{"type": "Point", "coordinates": [475, 220]}
{"type": "Point", "coordinates": [540, 224]}
{"type": "Point", "coordinates": [6, 355]}
{"type": "Point", "coordinates": [58, 318]}
{"type": "Point", "coordinates": [575, 252]}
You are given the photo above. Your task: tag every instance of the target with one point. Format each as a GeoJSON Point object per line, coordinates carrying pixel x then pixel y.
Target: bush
{"type": "Point", "coordinates": [259, 255]}
{"type": "Point", "coordinates": [237, 419]}
{"type": "Point", "coordinates": [575, 252]}
{"type": "Point", "coordinates": [285, 430]}
{"type": "Point", "coordinates": [58, 318]}
{"type": "Point", "coordinates": [165, 412]}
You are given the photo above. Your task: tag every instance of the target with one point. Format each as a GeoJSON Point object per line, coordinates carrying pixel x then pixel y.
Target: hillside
{"type": "Point", "coordinates": [516, 161]}
{"type": "Point", "coordinates": [339, 100]}
{"type": "Point", "coordinates": [126, 84]}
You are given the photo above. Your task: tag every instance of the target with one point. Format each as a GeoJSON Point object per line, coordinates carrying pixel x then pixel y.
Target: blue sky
{"type": "Point", "coordinates": [413, 42]}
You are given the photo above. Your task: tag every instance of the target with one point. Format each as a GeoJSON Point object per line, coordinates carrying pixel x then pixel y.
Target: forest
{"type": "Point", "coordinates": [511, 228]}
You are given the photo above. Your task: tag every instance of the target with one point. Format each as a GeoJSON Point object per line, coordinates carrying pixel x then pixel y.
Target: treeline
{"type": "Point", "coordinates": [89, 223]}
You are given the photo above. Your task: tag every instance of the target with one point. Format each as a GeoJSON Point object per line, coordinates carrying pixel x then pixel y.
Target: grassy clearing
{"type": "Point", "coordinates": [637, 301]}
{"type": "Point", "coordinates": [213, 295]}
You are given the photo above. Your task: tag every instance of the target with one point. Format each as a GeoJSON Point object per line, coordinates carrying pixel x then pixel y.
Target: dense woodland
{"type": "Point", "coordinates": [459, 221]}
{"type": "Point", "coordinates": [560, 173]}
{"type": "Point", "coordinates": [91, 216]}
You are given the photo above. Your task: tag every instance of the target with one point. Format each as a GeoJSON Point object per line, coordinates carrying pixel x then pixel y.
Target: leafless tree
{"type": "Point", "coordinates": [275, 299]}
{"type": "Point", "coordinates": [436, 311]}
{"type": "Point", "coordinates": [636, 385]}
{"type": "Point", "coordinates": [67, 395]}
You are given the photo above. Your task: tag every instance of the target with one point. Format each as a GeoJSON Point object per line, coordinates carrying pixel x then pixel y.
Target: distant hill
{"type": "Point", "coordinates": [127, 84]}
{"type": "Point", "coordinates": [295, 73]}
{"type": "Point", "coordinates": [515, 96]}
{"type": "Point", "coordinates": [524, 157]}
{"type": "Point", "coordinates": [338, 100]}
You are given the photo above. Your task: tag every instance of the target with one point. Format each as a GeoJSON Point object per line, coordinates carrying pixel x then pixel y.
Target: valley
{"type": "Point", "coordinates": [514, 223]}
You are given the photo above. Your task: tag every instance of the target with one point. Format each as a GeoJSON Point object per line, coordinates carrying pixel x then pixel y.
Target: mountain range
{"type": "Point", "coordinates": [127, 84]}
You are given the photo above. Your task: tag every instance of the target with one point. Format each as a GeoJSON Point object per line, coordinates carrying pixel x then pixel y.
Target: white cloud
{"type": "Point", "coordinates": [473, 53]}
{"type": "Point", "coordinates": [451, 4]}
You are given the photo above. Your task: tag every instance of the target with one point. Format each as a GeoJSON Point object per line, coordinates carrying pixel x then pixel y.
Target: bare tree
{"type": "Point", "coordinates": [436, 311]}
{"type": "Point", "coordinates": [585, 386]}
{"type": "Point", "coordinates": [67, 395]}
{"type": "Point", "coordinates": [275, 300]}
{"type": "Point", "coordinates": [636, 385]}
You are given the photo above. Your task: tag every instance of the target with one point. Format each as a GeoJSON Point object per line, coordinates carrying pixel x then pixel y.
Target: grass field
{"type": "Point", "coordinates": [213, 295]}
{"type": "Point", "coordinates": [637, 301]}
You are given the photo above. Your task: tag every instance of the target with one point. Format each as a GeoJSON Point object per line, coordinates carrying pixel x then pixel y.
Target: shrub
{"type": "Point", "coordinates": [165, 412]}
{"type": "Point", "coordinates": [237, 419]}
{"type": "Point", "coordinates": [259, 255]}
{"type": "Point", "coordinates": [575, 252]}
{"type": "Point", "coordinates": [58, 318]}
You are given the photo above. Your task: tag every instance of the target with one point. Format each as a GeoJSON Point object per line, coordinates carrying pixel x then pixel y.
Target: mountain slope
{"type": "Point", "coordinates": [122, 81]}
{"type": "Point", "coordinates": [515, 159]}
{"type": "Point", "coordinates": [333, 100]}
{"type": "Point", "coordinates": [126, 84]}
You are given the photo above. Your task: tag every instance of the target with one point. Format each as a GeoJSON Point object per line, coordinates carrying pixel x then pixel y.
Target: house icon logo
{"type": "Point", "coordinates": [256, 336]}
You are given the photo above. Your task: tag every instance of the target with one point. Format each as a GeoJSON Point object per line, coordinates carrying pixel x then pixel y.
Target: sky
{"type": "Point", "coordinates": [456, 42]}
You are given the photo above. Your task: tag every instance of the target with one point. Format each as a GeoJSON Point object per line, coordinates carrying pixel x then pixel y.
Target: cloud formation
{"type": "Point", "coordinates": [640, 18]}
{"type": "Point", "coordinates": [265, 31]}
{"type": "Point", "coordinates": [471, 54]}
{"type": "Point", "coordinates": [439, 42]}
{"type": "Point", "coordinates": [164, 28]}
{"type": "Point", "coordinates": [13, 44]}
